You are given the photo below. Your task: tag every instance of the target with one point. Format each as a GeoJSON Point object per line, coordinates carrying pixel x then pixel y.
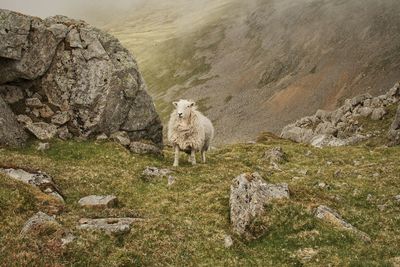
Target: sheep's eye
{"type": "Point", "coordinates": [189, 106]}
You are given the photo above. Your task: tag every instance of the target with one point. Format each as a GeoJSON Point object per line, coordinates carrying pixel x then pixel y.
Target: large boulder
{"type": "Point", "coordinates": [75, 77]}
{"type": "Point", "coordinates": [11, 132]}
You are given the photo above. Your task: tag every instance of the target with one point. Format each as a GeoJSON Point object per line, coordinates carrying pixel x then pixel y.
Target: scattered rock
{"type": "Point", "coordinates": [395, 261]}
{"type": "Point", "coordinates": [43, 146]}
{"type": "Point", "coordinates": [249, 194]}
{"type": "Point", "coordinates": [42, 130]}
{"type": "Point", "coordinates": [38, 220]}
{"type": "Point", "coordinates": [228, 242]}
{"type": "Point", "coordinates": [328, 215]}
{"type": "Point", "coordinates": [46, 112]}
{"type": "Point", "coordinates": [378, 113]}
{"type": "Point", "coordinates": [33, 103]}
{"type": "Point", "coordinates": [153, 171]}
{"type": "Point", "coordinates": [24, 119]}
{"type": "Point", "coordinates": [337, 173]}
{"type": "Point", "coordinates": [115, 226]}
{"type": "Point", "coordinates": [321, 185]}
{"type": "Point", "coordinates": [94, 201]}
{"type": "Point", "coordinates": [41, 180]}
{"type": "Point", "coordinates": [382, 207]}
{"type": "Point", "coordinates": [142, 148]}
{"type": "Point", "coordinates": [63, 133]}
{"type": "Point", "coordinates": [102, 137]}
{"type": "Point", "coordinates": [397, 198]}
{"type": "Point", "coordinates": [171, 180]}
{"type": "Point", "coordinates": [303, 172]}
{"type": "Point", "coordinates": [275, 155]}
{"type": "Point", "coordinates": [394, 130]}
{"type": "Point", "coordinates": [121, 138]}
{"type": "Point", "coordinates": [60, 118]}
{"type": "Point", "coordinates": [369, 197]}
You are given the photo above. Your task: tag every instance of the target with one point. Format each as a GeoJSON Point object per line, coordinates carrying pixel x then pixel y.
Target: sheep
{"type": "Point", "coordinates": [189, 131]}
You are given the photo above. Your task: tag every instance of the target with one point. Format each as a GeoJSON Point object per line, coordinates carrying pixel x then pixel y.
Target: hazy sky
{"type": "Point", "coordinates": [93, 11]}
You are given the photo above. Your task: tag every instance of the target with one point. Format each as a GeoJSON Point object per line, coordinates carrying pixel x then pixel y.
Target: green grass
{"type": "Point", "coordinates": [186, 223]}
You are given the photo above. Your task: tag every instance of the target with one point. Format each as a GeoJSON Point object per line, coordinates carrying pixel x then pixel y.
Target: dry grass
{"type": "Point", "coordinates": [186, 223]}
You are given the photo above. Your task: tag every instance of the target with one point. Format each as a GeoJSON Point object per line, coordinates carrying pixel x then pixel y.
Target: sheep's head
{"type": "Point", "coordinates": [183, 108]}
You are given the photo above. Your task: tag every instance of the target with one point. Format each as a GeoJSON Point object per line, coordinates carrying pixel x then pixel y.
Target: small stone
{"type": "Point", "coordinates": [397, 198]}
{"type": "Point", "coordinates": [171, 180]}
{"type": "Point", "coordinates": [46, 112]}
{"type": "Point", "coordinates": [102, 137]}
{"type": "Point", "coordinates": [95, 201]}
{"type": "Point", "coordinates": [275, 155]}
{"type": "Point", "coordinates": [60, 118]}
{"type": "Point", "coordinates": [33, 103]}
{"type": "Point", "coordinates": [115, 226]}
{"type": "Point", "coordinates": [43, 146]}
{"type": "Point", "coordinates": [378, 113]}
{"type": "Point", "coordinates": [369, 197]}
{"type": "Point", "coordinates": [382, 207]}
{"type": "Point", "coordinates": [42, 130]}
{"type": "Point", "coordinates": [375, 175]}
{"type": "Point", "coordinates": [153, 171]}
{"type": "Point", "coordinates": [63, 133]}
{"type": "Point", "coordinates": [24, 119]}
{"type": "Point", "coordinates": [228, 242]}
{"type": "Point", "coordinates": [328, 215]}
{"type": "Point", "coordinates": [39, 219]}
{"type": "Point", "coordinates": [142, 148]}
{"type": "Point", "coordinates": [121, 138]}
{"type": "Point", "coordinates": [303, 172]}
{"type": "Point", "coordinates": [321, 185]}
{"type": "Point", "coordinates": [329, 163]}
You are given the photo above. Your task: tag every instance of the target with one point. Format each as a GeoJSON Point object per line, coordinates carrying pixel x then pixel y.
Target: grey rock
{"type": "Point", "coordinates": [42, 130]}
{"type": "Point", "coordinates": [249, 194]}
{"type": "Point", "coordinates": [95, 201]}
{"type": "Point", "coordinates": [394, 92]}
{"type": "Point", "coordinates": [37, 220]}
{"type": "Point", "coordinates": [115, 226]}
{"type": "Point", "coordinates": [357, 100]}
{"type": "Point", "coordinates": [142, 148]}
{"type": "Point", "coordinates": [275, 155]}
{"type": "Point", "coordinates": [121, 138]}
{"type": "Point", "coordinates": [41, 180]}
{"type": "Point", "coordinates": [24, 119]}
{"type": "Point", "coordinates": [151, 172]}
{"type": "Point", "coordinates": [326, 128]}
{"type": "Point", "coordinates": [323, 115]}
{"type": "Point", "coordinates": [297, 134]}
{"type": "Point", "coordinates": [330, 216]}
{"type": "Point", "coordinates": [378, 113]}
{"type": "Point", "coordinates": [63, 133]}
{"type": "Point", "coordinates": [43, 146]}
{"type": "Point", "coordinates": [102, 137]}
{"type": "Point", "coordinates": [46, 112]}
{"type": "Point", "coordinates": [365, 111]}
{"type": "Point", "coordinates": [11, 132]}
{"type": "Point", "coordinates": [80, 70]}
{"type": "Point", "coordinates": [397, 198]}
{"type": "Point", "coordinates": [67, 239]}
{"type": "Point", "coordinates": [228, 242]}
{"type": "Point", "coordinates": [33, 103]}
{"type": "Point", "coordinates": [171, 180]}
{"type": "Point", "coordinates": [60, 118]}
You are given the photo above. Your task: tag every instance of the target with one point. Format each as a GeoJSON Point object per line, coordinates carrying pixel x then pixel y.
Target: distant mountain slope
{"type": "Point", "coordinates": [257, 65]}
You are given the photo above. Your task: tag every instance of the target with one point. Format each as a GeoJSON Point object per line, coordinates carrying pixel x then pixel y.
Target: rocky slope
{"type": "Point", "coordinates": [258, 65]}
{"type": "Point", "coordinates": [349, 124]}
{"type": "Point", "coordinates": [64, 78]}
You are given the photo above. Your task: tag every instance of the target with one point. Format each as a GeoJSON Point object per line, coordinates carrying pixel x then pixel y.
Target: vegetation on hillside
{"type": "Point", "coordinates": [185, 223]}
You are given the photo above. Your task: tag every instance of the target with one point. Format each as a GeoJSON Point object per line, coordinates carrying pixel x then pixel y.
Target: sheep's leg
{"type": "Point", "coordinates": [193, 156]}
{"type": "Point", "coordinates": [176, 159]}
{"type": "Point", "coordinates": [203, 156]}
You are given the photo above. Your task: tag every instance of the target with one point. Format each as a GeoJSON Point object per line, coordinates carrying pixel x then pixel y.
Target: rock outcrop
{"type": "Point", "coordinates": [341, 127]}
{"type": "Point", "coordinates": [95, 201]}
{"type": "Point", "coordinates": [65, 78]}
{"type": "Point", "coordinates": [41, 180]}
{"type": "Point", "coordinates": [115, 226]}
{"type": "Point", "coordinates": [249, 194]}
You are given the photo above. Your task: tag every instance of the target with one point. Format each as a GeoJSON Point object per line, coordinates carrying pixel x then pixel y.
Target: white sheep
{"type": "Point", "coordinates": [189, 131]}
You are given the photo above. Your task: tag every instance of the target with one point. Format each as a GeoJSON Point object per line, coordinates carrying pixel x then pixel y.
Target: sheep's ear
{"type": "Point", "coordinates": [192, 104]}
{"type": "Point", "coordinates": [175, 104]}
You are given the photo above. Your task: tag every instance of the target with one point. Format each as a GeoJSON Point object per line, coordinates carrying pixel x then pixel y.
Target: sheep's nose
{"type": "Point", "coordinates": [180, 115]}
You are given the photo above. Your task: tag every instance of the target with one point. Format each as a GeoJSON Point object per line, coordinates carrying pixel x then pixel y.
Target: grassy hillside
{"type": "Point", "coordinates": [259, 65]}
{"type": "Point", "coordinates": [185, 223]}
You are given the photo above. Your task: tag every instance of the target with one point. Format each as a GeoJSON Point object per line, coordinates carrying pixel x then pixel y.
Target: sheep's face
{"type": "Point", "coordinates": [183, 108]}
